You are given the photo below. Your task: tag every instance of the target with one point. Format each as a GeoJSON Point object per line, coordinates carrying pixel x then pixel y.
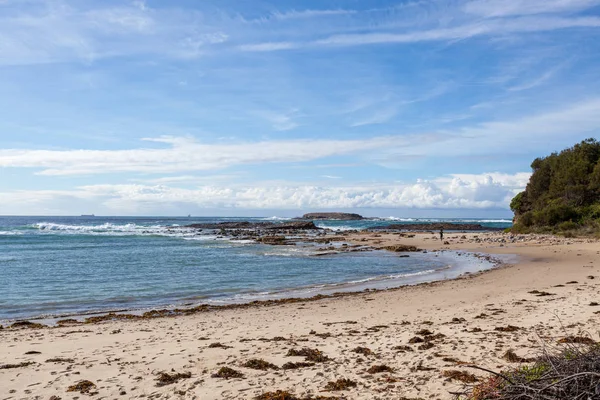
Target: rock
{"type": "Point", "coordinates": [435, 227]}
{"type": "Point", "coordinates": [400, 248]}
{"type": "Point", "coordinates": [333, 215]}
{"type": "Point", "coordinates": [294, 225]}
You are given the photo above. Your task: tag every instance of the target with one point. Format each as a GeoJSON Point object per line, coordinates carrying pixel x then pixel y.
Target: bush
{"type": "Point", "coordinates": [568, 226]}
{"type": "Point", "coordinates": [555, 214]}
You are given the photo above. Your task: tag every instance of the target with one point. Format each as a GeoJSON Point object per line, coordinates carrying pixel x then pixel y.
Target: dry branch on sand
{"type": "Point", "coordinates": [570, 371]}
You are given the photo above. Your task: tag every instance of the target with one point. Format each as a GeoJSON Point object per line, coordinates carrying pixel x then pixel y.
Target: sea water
{"type": "Point", "coordinates": [58, 266]}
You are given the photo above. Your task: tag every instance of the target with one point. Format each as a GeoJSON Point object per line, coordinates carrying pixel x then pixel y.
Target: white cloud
{"type": "Point", "coordinates": [483, 191]}
{"type": "Point", "coordinates": [501, 8]}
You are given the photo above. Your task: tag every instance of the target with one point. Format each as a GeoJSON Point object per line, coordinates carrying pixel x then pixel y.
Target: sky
{"type": "Point", "coordinates": [402, 108]}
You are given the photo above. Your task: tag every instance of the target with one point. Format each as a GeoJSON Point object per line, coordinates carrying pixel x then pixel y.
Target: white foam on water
{"type": "Point", "coordinates": [338, 228]}
{"type": "Point", "coordinates": [275, 218]}
{"type": "Point", "coordinates": [10, 233]}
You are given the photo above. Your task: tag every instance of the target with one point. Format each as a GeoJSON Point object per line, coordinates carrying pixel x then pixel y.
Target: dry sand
{"type": "Point", "coordinates": [123, 359]}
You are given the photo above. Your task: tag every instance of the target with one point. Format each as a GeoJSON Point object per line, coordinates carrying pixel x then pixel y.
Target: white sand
{"type": "Point", "coordinates": [123, 358]}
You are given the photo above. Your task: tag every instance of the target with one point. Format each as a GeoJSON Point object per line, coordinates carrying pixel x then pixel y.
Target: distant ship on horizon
{"type": "Point", "coordinates": [87, 215]}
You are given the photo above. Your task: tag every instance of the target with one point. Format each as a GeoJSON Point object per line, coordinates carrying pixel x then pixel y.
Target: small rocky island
{"type": "Point", "coordinates": [332, 215]}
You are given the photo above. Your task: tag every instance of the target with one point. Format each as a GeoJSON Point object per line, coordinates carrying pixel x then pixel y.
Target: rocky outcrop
{"type": "Point", "coordinates": [295, 225]}
{"type": "Point", "coordinates": [333, 215]}
{"type": "Point", "coordinates": [435, 227]}
{"type": "Point", "coordinates": [400, 248]}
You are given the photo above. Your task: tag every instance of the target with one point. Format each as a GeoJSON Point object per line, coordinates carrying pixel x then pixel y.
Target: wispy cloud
{"type": "Point", "coordinates": [539, 80]}
{"type": "Point", "coordinates": [186, 154]}
{"type": "Point", "coordinates": [280, 121]}
{"type": "Point", "coordinates": [502, 8]}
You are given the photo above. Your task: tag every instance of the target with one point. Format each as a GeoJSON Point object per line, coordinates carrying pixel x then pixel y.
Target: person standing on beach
{"type": "Point", "coordinates": [441, 234]}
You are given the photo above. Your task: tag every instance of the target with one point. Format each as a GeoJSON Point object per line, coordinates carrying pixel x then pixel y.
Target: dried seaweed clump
{"type": "Point", "coordinates": [164, 378]}
{"type": "Point", "coordinates": [27, 325]}
{"type": "Point", "coordinates": [340, 384]}
{"type": "Point", "coordinates": [462, 376]}
{"type": "Point", "coordinates": [227, 373]}
{"type": "Point", "coordinates": [509, 328]}
{"type": "Point", "coordinates": [377, 369]}
{"type": "Point", "coordinates": [571, 371]}
{"type": "Point", "coordinates": [19, 365]}
{"type": "Point", "coordinates": [60, 360]}
{"type": "Point", "coordinates": [298, 365]}
{"type": "Point", "coordinates": [259, 364]}
{"type": "Point", "coordinates": [426, 346]}
{"type": "Point", "coordinates": [402, 348]}
{"type": "Point", "coordinates": [82, 387]}
{"type": "Point", "coordinates": [424, 332]}
{"type": "Point", "coordinates": [278, 395]}
{"type": "Point", "coordinates": [312, 355]}
{"type": "Point", "coordinates": [512, 357]}
{"type": "Point", "coordinates": [285, 395]}
{"type": "Point", "coordinates": [577, 340]}
{"type": "Point", "coordinates": [365, 351]}
{"type": "Point", "coordinates": [218, 345]}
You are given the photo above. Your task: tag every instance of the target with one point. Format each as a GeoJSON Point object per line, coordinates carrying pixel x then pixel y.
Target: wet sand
{"type": "Point", "coordinates": [474, 319]}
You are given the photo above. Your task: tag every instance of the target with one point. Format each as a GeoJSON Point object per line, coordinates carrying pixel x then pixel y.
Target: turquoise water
{"type": "Point", "coordinates": [52, 266]}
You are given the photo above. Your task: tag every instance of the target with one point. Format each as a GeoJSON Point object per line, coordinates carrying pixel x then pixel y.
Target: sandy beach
{"type": "Point", "coordinates": [393, 344]}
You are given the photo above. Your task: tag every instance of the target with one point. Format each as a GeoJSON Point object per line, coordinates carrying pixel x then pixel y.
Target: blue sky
{"type": "Point", "coordinates": [404, 108]}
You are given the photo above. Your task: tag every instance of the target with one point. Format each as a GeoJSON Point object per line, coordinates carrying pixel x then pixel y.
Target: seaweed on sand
{"type": "Point", "coordinates": [340, 384]}
{"type": "Point", "coordinates": [28, 325]}
{"type": "Point", "coordinates": [377, 369]}
{"type": "Point", "coordinates": [82, 387]}
{"type": "Point", "coordinates": [227, 373]}
{"type": "Point", "coordinates": [285, 395]}
{"type": "Point", "coordinates": [509, 328]}
{"type": "Point", "coordinates": [164, 378]}
{"type": "Point", "coordinates": [259, 364]}
{"type": "Point", "coordinates": [312, 355]}
{"type": "Point", "coordinates": [298, 365]}
{"type": "Point", "coordinates": [462, 376]}
{"type": "Point", "coordinates": [218, 345]}
{"type": "Point", "coordinates": [365, 351]}
{"type": "Point", "coordinates": [60, 360]}
{"type": "Point", "coordinates": [512, 357]}
{"type": "Point", "coordinates": [19, 365]}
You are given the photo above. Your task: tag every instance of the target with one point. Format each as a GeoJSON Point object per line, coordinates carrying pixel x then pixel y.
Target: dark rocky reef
{"type": "Point", "coordinates": [295, 225]}
{"type": "Point", "coordinates": [434, 227]}
{"type": "Point", "coordinates": [333, 215]}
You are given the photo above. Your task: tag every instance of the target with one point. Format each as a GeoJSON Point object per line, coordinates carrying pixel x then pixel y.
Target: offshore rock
{"type": "Point", "coordinates": [435, 227]}
{"type": "Point", "coordinates": [333, 215]}
{"type": "Point", "coordinates": [298, 225]}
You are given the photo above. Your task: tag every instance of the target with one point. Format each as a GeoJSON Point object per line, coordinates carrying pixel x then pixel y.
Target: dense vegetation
{"type": "Point", "coordinates": [563, 193]}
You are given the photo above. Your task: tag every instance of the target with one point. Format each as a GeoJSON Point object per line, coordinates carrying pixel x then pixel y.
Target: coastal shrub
{"type": "Point", "coordinates": [564, 187]}
{"type": "Point", "coordinates": [567, 226]}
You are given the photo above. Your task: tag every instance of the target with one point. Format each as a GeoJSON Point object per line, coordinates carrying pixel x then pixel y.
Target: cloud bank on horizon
{"type": "Point", "coordinates": [162, 108]}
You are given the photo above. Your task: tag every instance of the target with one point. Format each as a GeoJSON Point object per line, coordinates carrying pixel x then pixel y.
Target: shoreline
{"type": "Point", "coordinates": [311, 293]}
{"type": "Point", "coordinates": [476, 319]}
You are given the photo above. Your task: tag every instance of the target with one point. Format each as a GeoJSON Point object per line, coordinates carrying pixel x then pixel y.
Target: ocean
{"type": "Point", "coordinates": [70, 266]}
